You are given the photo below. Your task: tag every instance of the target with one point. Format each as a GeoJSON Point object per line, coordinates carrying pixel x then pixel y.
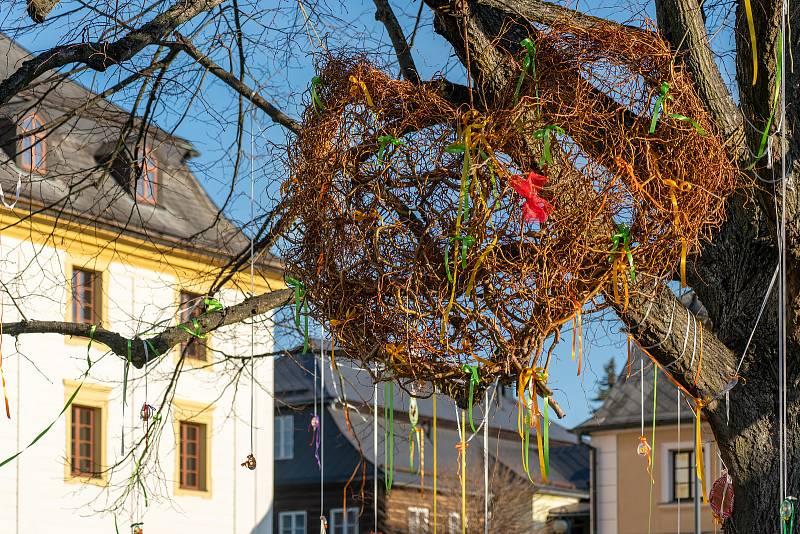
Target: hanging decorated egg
{"type": "Point", "coordinates": [721, 498]}
{"type": "Point", "coordinates": [644, 448]}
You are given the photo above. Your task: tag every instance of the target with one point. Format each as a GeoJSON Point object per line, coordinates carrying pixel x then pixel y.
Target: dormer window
{"type": "Point", "coordinates": [147, 181]}
{"type": "Point", "coordinates": [32, 145]}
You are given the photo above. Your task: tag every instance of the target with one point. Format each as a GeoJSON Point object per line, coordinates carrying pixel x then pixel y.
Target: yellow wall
{"type": "Point", "coordinates": [195, 271]}
{"type": "Point", "coordinates": [633, 487]}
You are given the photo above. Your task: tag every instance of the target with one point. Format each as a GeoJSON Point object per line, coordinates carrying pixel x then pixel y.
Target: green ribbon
{"type": "Point", "coordinates": [466, 177]}
{"type": "Point", "coordinates": [762, 147]}
{"type": "Point", "coordinates": [466, 242]}
{"type": "Point", "coordinates": [544, 135]}
{"type": "Point", "coordinates": [67, 404]}
{"type": "Point", "coordinates": [299, 302]}
{"type": "Point", "coordinates": [699, 129]}
{"type": "Point", "coordinates": [212, 305]}
{"type": "Point", "coordinates": [622, 236]}
{"type": "Point", "coordinates": [474, 380]}
{"type": "Point", "coordinates": [787, 516]}
{"type": "Point", "coordinates": [546, 437]}
{"type": "Point", "coordinates": [384, 142]}
{"type": "Point", "coordinates": [388, 435]}
{"type": "Point", "coordinates": [659, 107]}
{"type": "Point", "coordinates": [526, 428]}
{"type": "Point", "coordinates": [528, 64]}
{"type": "Point", "coordinates": [316, 82]}
{"type": "Point", "coordinates": [198, 330]}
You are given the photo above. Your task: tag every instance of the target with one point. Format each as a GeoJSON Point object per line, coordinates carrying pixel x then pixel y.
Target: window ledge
{"type": "Point", "coordinates": [183, 492]}
{"type": "Point", "coordinates": [685, 503]}
{"type": "Point", "coordinates": [93, 481]}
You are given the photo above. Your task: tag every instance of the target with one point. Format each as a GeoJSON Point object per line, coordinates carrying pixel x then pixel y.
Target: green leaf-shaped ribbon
{"type": "Point", "coordinates": [762, 147]}
{"type": "Point", "coordinates": [528, 64]}
{"type": "Point", "coordinates": [546, 437]}
{"type": "Point", "coordinates": [621, 240]}
{"type": "Point", "coordinates": [543, 134]}
{"type": "Point", "coordinates": [455, 148]}
{"type": "Point", "coordinates": [699, 129]}
{"type": "Point", "coordinates": [466, 242]}
{"type": "Point", "coordinates": [316, 82]}
{"type": "Point", "coordinates": [474, 380]}
{"type": "Point", "coordinates": [299, 301]}
{"type": "Point", "coordinates": [211, 305]}
{"type": "Point", "coordinates": [384, 142]}
{"type": "Point", "coordinates": [659, 107]}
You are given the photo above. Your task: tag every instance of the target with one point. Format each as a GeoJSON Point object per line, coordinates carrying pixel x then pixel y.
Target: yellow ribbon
{"type": "Point", "coordinates": [748, 9]}
{"type": "Point", "coordinates": [395, 352]}
{"type": "Point", "coordinates": [462, 456]}
{"type": "Point", "coordinates": [683, 187]}
{"type": "Point", "coordinates": [698, 445]}
{"type": "Point", "coordinates": [359, 84]}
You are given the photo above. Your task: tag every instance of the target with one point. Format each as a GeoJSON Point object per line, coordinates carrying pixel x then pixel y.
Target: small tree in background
{"type": "Point", "coordinates": [605, 384]}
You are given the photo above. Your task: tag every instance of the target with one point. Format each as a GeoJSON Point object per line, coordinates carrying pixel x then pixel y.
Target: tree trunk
{"type": "Point", "coordinates": [732, 274]}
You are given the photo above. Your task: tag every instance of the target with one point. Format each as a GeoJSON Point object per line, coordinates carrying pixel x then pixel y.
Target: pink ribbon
{"type": "Point", "coordinates": [535, 208]}
{"type": "Point", "coordinates": [314, 427]}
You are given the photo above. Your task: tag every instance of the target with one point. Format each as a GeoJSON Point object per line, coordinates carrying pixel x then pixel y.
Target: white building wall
{"type": "Point", "coordinates": [606, 456]}
{"type": "Point", "coordinates": [35, 496]}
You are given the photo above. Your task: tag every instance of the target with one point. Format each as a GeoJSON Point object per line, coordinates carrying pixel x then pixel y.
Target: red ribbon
{"type": "Point", "coordinates": [535, 208]}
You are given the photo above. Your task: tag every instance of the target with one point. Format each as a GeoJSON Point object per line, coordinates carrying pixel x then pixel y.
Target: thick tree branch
{"type": "Point", "coordinates": [163, 341]}
{"type": "Point", "coordinates": [237, 85]}
{"type": "Point", "coordinates": [385, 15]}
{"type": "Point", "coordinates": [660, 323]}
{"type": "Point", "coordinates": [682, 23]}
{"type": "Point", "coordinates": [102, 54]}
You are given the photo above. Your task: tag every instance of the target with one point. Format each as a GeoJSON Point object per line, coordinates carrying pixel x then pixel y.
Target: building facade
{"type": "Point", "coordinates": [351, 436]}
{"type": "Point", "coordinates": [621, 482]}
{"type": "Point", "coordinates": [132, 246]}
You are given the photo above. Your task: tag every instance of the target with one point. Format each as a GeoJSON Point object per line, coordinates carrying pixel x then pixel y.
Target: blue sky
{"type": "Point", "coordinates": [202, 110]}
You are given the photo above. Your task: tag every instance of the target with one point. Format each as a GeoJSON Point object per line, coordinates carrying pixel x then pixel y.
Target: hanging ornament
{"type": "Point", "coordinates": [250, 462]}
{"type": "Point", "coordinates": [787, 515]}
{"type": "Point", "coordinates": [323, 525]}
{"type": "Point", "coordinates": [314, 427]}
{"type": "Point", "coordinates": [147, 413]}
{"type": "Point", "coordinates": [535, 208]}
{"type": "Point", "coordinates": [136, 528]}
{"type": "Point", "coordinates": [644, 449]}
{"type": "Point", "coordinates": [721, 497]}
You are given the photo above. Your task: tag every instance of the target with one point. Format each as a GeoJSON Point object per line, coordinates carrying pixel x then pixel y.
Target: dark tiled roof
{"type": "Point", "coordinates": [73, 187]}
{"type": "Point", "coordinates": [623, 407]}
{"type": "Point", "coordinates": [294, 387]}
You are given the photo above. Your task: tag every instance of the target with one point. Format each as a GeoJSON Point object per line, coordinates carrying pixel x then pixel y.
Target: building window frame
{"type": "Point", "coordinates": [190, 306]}
{"type": "Point", "coordinates": [417, 518]}
{"type": "Point", "coordinates": [146, 186]}
{"type": "Point", "coordinates": [453, 523]}
{"type": "Point", "coordinates": [32, 148]}
{"type": "Point", "coordinates": [284, 437]}
{"type": "Point", "coordinates": [86, 283]}
{"type": "Point", "coordinates": [294, 526]}
{"type": "Point", "coordinates": [689, 468]}
{"type": "Point", "coordinates": [666, 466]}
{"type": "Point", "coordinates": [94, 397]}
{"type": "Point", "coordinates": [200, 415]}
{"type": "Point", "coordinates": [348, 519]}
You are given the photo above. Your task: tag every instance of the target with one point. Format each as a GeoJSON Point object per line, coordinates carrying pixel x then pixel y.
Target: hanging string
{"type": "Point", "coordinates": [486, 464]}
{"type": "Point", "coordinates": [375, 454]}
{"type": "Point", "coordinates": [2, 373]}
{"type": "Point", "coordinates": [435, 467]}
{"type": "Point", "coordinates": [652, 458]}
{"type": "Point", "coordinates": [250, 463]}
{"type": "Point", "coordinates": [323, 521]}
{"type": "Point", "coordinates": [782, 288]}
{"type": "Point", "coordinates": [678, 495]}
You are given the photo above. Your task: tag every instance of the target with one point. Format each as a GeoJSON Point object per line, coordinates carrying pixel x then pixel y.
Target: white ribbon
{"type": "Point", "coordinates": [16, 195]}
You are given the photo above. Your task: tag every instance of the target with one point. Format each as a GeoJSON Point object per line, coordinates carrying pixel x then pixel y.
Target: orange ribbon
{"type": "Point", "coordinates": [644, 449]}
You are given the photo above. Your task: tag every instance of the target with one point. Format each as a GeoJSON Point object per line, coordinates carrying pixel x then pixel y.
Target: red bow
{"type": "Point", "coordinates": [535, 208]}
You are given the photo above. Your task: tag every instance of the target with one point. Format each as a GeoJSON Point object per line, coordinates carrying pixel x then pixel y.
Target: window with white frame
{"type": "Point", "coordinates": [417, 520]}
{"type": "Point", "coordinates": [293, 522]}
{"type": "Point", "coordinates": [344, 523]}
{"type": "Point", "coordinates": [682, 474]}
{"type": "Point", "coordinates": [284, 437]}
{"type": "Point", "coordinates": [454, 523]}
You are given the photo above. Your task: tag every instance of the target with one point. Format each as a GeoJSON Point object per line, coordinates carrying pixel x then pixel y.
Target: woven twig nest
{"type": "Point", "coordinates": [433, 237]}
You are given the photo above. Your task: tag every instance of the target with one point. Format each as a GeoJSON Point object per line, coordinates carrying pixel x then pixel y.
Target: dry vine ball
{"type": "Point", "coordinates": [433, 237]}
